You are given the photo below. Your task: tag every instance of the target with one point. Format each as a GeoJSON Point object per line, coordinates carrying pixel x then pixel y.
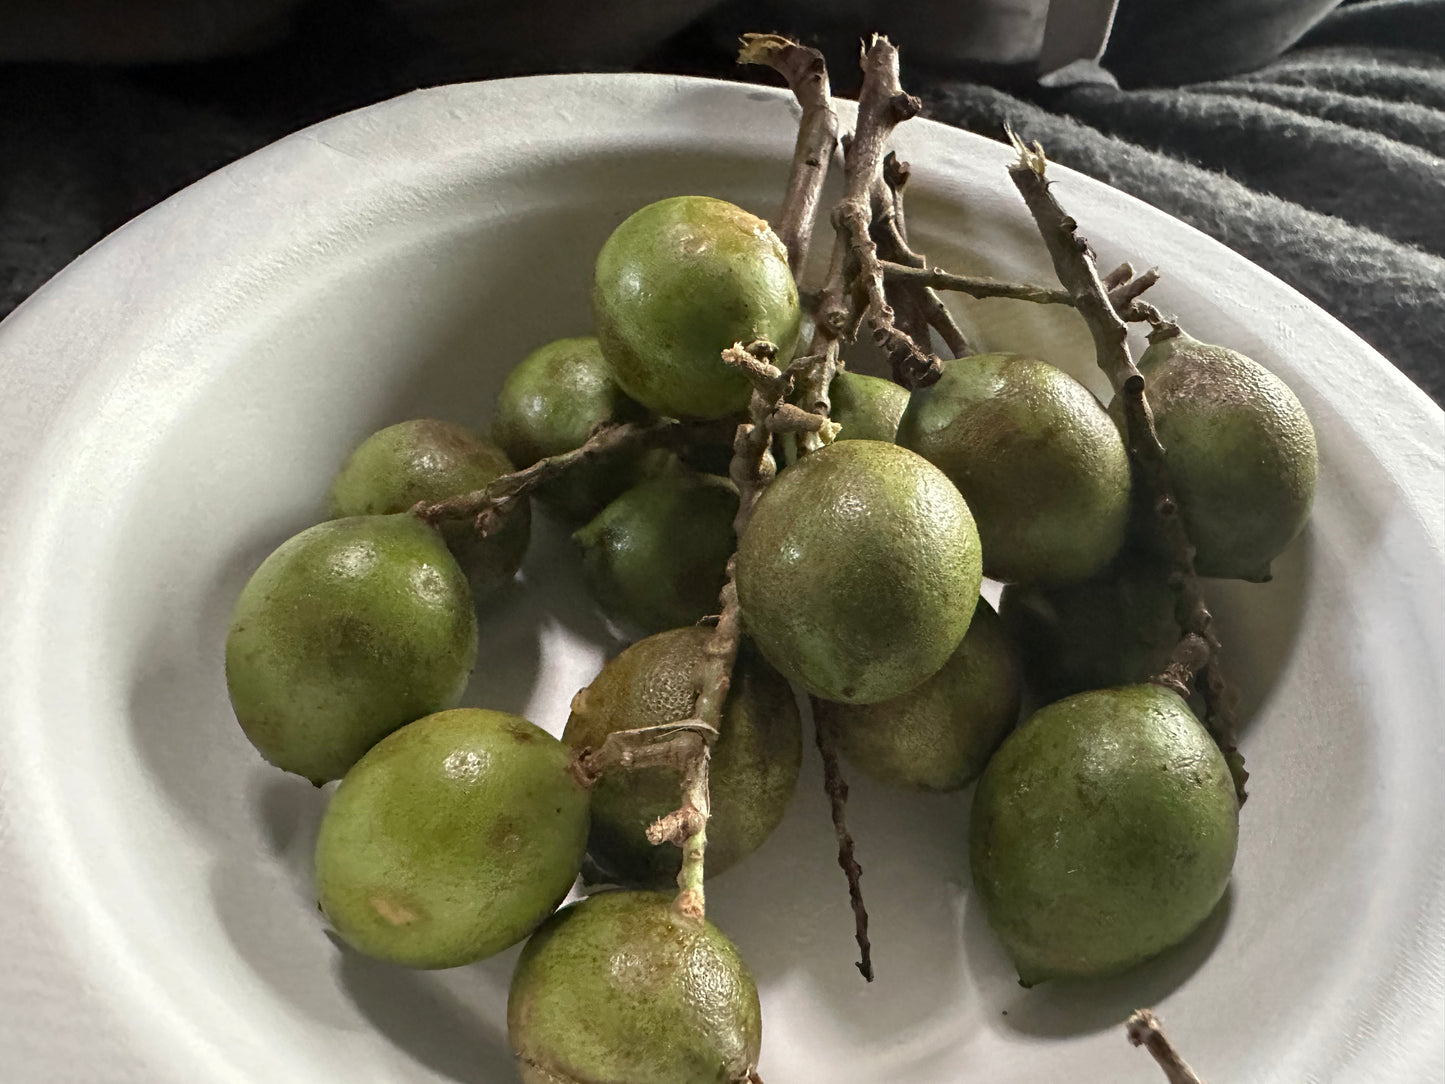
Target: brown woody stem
{"type": "Point", "coordinates": [807, 78]}
{"type": "Point", "coordinates": [837, 787]}
{"type": "Point", "coordinates": [1143, 1029]}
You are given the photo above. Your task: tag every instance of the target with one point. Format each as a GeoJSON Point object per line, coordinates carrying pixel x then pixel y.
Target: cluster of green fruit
{"type": "Point", "coordinates": [1104, 826]}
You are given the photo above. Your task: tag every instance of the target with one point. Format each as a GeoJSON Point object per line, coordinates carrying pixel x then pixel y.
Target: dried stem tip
{"type": "Point", "coordinates": [1143, 1030]}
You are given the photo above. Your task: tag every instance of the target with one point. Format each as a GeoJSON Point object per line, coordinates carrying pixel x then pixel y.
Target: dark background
{"type": "Point", "coordinates": [1312, 141]}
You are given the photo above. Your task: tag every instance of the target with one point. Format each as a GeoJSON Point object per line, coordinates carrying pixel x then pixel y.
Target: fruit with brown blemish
{"type": "Point", "coordinates": [452, 839]}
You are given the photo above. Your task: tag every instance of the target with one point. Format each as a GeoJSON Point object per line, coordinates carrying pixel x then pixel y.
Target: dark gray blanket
{"type": "Point", "coordinates": [1324, 167]}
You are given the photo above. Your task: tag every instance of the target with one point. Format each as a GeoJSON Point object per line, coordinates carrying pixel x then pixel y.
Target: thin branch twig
{"type": "Point", "coordinates": [807, 78]}
{"type": "Point", "coordinates": [1143, 1030]}
{"type": "Point", "coordinates": [837, 788]}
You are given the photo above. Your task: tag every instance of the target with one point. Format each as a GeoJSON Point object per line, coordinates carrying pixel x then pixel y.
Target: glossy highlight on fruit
{"type": "Point", "coordinates": [452, 839]}
{"type": "Point", "coordinates": [679, 282]}
{"type": "Point", "coordinates": [1240, 449]}
{"type": "Point", "coordinates": [350, 629]}
{"type": "Point", "coordinates": [550, 403]}
{"type": "Point", "coordinates": [859, 571]}
{"type": "Point", "coordinates": [620, 989]}
{"type": "Point", "coordinates": [938, 736]}
{"type": "Point", "coordinates": [429, 460]}
{"type": "Point", "coordinates": [1103, 833]}
{"type": "Point", "coordinates": [751, 775]}
{"type": "Point", "coordinates": [656, 557]}
{"type": "Point", "coordinates": [1036, 456]}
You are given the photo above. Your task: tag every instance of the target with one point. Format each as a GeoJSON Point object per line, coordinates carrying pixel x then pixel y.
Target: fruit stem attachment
{"type": "Point", "coordinates": [1143, 1029]}
{"type": "Point", "coordinates": [487, 506]}
{"type": "Point", "coordinates": [1074, 263]}
{"type": "Point", "coordinates": [807, 77]}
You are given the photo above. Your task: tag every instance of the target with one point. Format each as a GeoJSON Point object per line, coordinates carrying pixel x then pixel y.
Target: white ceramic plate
{"type": "Point", "coordinates": [173, 404]}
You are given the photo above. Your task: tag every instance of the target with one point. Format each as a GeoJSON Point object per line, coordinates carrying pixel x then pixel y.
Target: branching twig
{"type": "Point", "coordinates": [918, 305]}
{"type": "Point", "coordinates": [1143, 1030]}
{"type": "Point", "coordinates": [807, 77]}
{"type": "Point", "coordinates": [1074, 263]}
{"type": "Point", "coordinates": [837, 788]}
{"type": "Point", "coordinates": [488, 504]}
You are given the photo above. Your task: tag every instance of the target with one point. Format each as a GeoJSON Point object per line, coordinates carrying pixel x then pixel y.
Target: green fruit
{"type": "Point", "coordinates": [429, 460]}
{"type": "Point", "coordinates": [347, 631]}
{"type": "Point", "coordinates": [1103, 833]}
{"type": "Point", "coordinates": [859, 571]}
{"type": "Point", "coordinates": [1037, 458]}
{"type": "Point", "coordinates": [678, 283]}
{"type": "Point", "coordinates": [938, 736]}
{"type": "Point", "coordinates": [1115, 629]}
{"type": "Point", "coordinates": [751, 777]}
{"type": "Point", "coordinates": [864, 407]}
{"type": "Point", "coordinates": [656, 557]}
{"type": "Point", "coordinates": [1240, 449]}
{"type": "Point", "coordinates": [452, 839]}
{"type": "Point", "coordinates": [550, 404]}
{"type": "Point", "coordinates": [620, 989]}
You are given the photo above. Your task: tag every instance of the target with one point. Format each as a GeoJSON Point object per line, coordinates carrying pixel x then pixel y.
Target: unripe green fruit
{"type": "Point", "coordinates": [347, 631]}
{"type": "Point", "coordinates": [751, 775]}
{"type": "Point", "coordinates": [550, 404]}
{"type": "Point", "coordinates": [430, 460]}
{"type": "Point", "coordinates": [938, 736]}
{"type": "Point", "coordinates": [859, 571]}
{"type": "Point", "coordinates": [1103, 833]}
{"type": "Point", "coordinates": [1240, 450]}
{"type": "Point", "coordinates": [864, 408]}
{"type": "Point", "coordinates": [656, 557]}
{"type": "Point", "coordinates": [621, 989]}
{"type": "Point", "coordinates": [1036, 456]}
{"type": "Point", "coordinates": [452, 839]}
{"type": "Point", "coordinates": [678, 283]}
{"type": "Point", "coordinates": [1115, 629]}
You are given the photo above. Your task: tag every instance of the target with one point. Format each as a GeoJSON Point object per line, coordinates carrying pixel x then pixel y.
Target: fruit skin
{"type": "Point", "coordinates": [452, 839]}
{"type": "Point", "coordinates": [938, 736]}
{"type": "Point", "coordinates": [679, 282]}
{"type": "Point", "coordinates": [620, 989]}
{"type": "Point", "coordinates": [429, 460]}
{"type": "Point", "coordinates": [1240, 449]}
{"type": "Point", "coordinates": [751, 776]}
{"type": "Point", "coordinates": [859, 571]}
{"type": "Point", "coordinates": [1036, 456]}
{"type": "Point", "coordinates": [865, 408]}
{"type": "Point", "coordinates": [1115, 629]}
{"type": "Point", "coordinates": [550, 404]}
{"type": "Point", "coordinates": [656, 557]}
{"type": "Point", "coordinates": [347, 631]}
{"type": "Point", "coordinates": [1104, 831]}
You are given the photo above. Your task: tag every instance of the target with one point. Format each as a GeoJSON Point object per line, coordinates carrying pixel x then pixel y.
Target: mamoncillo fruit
{"type": "Point", "coordinates": [939, 735]}
{"type": "Point", "coordinates": [347, 631]}
{"type": "Point", "coordinates": [1240, 449]}
{"type": "Point", "coordinates": [1115, 629]}
{"type": "Point", "coordinates": [550, 403]}
{"type": "Point", "coordinates": [621, 989]}
{"type": "Point", "coordinates": [452, 839]}
{"type": "Point", "coordinates": [752, 771]}
{"type": "Point", "coordinates": [1042, 466]}
{"type": "Point", "coordinates": [678, 283]}
{"type": "Point", "coordinates": [429, 460]}
{"type": "Point", "coordinates": [656, 557]}
{"type": "Point", "coordinates": [1103, 832]}
{"type": "Point", "coordinates": [859, 571]}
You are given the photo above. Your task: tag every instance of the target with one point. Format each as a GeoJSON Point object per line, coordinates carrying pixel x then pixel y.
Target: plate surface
{"type": "Point", "coordinates": [174, 403]}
